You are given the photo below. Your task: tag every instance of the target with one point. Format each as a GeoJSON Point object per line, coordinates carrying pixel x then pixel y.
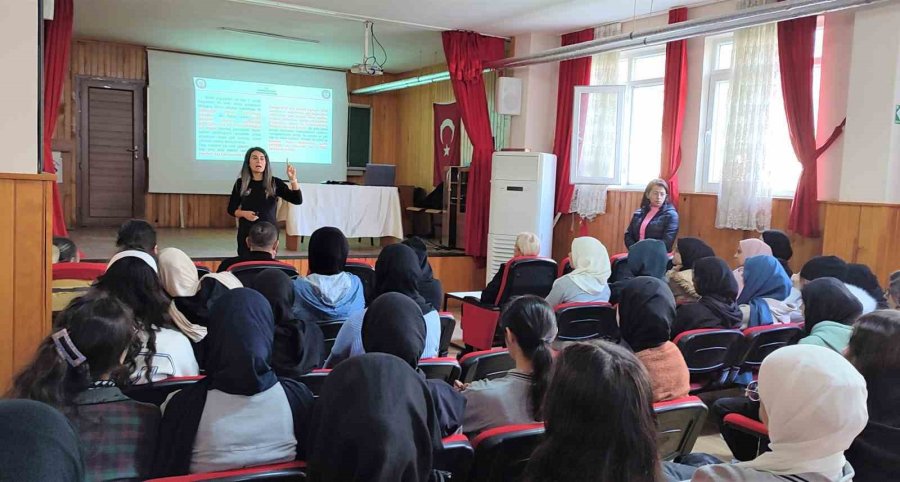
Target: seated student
{"type": "Point", "coordinates": [829, 313]}
{"type": "Point", "coordinates": [396, 271]}
{"type": "Point", "coordinates": [645, 258]}
{"type": "Point", "coordinates": [598, 419]}
{"type": "Point", "coordinates": [430, 287]}
{"type": "Point", "coordinates": [263, 244]}
{"type": "Point", "coordinates": [813, 403]}
{"type": "Point", "coordinates": [716, 307]}
{"type": "Point", "coordinates": [861, 276]}
{"type": "Point", "coordinates": [374, 422]}
{"type": "Point", "coordinates": [137, 234]}
{"type": "Point", "coordinates": [780, 244]}
{"type": "Point", "coordinates": [529, 326]}
{"type": "Point", "coordinates": [68, 252]}
{"type": "Point", "coordinates": [299, 345]}
{"type": "Point", "coordinates": [646, 311]}
{"type": "Point", "coordinates": [874, 350]}
{"type": "Point", "coordinates": [766, 287]}
{"type": "Point", "coordinates": [587, 282]}
{"type": "Point", "coordinates": [241, 414]}
{"type": "Point", "coordinates": [893, 291]}
{"type": "Point", "coordinates": [328, 292]}
{"type": "Point", "coordinates": [78, 370]}
{"type": "Point", "coordinates": [39, 444]}
{"type": "Point", "coordinates": [527, 244]}
{"type": "Point", "coordinates": [748, 248]}
{"type": "Point", "coordinates": [393, 325]}
{"type": "Point", "coordinates": [681, 279]}
{"type": "Point", "coordinates": [131, 276]}
{"type": "Point", "coordinates": [834, 267]}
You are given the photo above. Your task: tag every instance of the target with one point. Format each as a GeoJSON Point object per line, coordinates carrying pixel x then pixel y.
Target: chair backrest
{"type": "Point", "coordinates": [708, 350]}
{"type": "Point", "coordinates": [618, 264]}
{"type": "Point", "coordinates": [455, 456]}
{"type": "Point", "coordinates": [285, 471]}
{"type": "Point", "coordinates": [441, 368]}
{"type": "Point", "coordinates": [314, 380]}
{"type": "Point", "coordinates": [366, 274]}
{"type": "Point", "coordinates": [78, 271]}
{"type": "Point", "coordinates": [526, 275]}
{"type": "Point", "coordinates": [157, 392]}
{"type": "Point", "coordinates": [502, 453]}
{"type": "Point", "coordinates": [487, 364]}
{"type": "Point", "coordinates": [330, 331]}
{"type": "Point", "coordinates": [245, 271]}
{"type": "Point", "coordinates": [760, 341]}
{"type": "Point", "coordinates": [587, 321]}
{"type": "Point", "coordinates": [679, 423]}
{"type": "Point", "coordinates": [448, 326]}
{"type": "Point", "coordinates": [565, 267]}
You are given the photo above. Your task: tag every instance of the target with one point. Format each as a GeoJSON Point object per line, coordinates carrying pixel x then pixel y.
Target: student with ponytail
{"type": "Point", "coordinates": [529, 325]}
{"type": "Point", "coordinates": [78, 369]}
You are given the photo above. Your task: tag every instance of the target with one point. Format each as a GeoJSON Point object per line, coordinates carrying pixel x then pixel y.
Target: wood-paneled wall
{"type": "Point", "coordinates": [864, 233]}
{"type": "Point", "coordinates": [25, 274]}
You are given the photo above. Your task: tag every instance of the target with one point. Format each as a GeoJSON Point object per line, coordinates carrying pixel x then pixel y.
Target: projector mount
{"type": "Point", "coordinates": [370, 64]}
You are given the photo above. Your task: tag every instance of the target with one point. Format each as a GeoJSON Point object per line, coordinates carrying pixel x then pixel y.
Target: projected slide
{"type": "Point", "coordinates": [290, 122]}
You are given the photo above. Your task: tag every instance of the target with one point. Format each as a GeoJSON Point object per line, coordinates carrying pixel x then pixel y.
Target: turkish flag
{"type": "Point", "coordinates": [447, 130]}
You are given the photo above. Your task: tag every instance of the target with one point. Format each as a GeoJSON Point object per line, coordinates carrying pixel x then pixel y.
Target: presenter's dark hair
{"type": "Point", "coordinates": [263, 235]}
{"type": "Point", "coordinates": [533, 322]}
{"type": "Point", "coordinates": [67, 249]}
{"type": "Point", "coordinates": [599, 418]}
{"type": "Point", "coordinates": [645, 202]}
{"type": "Point", "coordinates": [136, 234]}
{"type": "Point", "coordinates": [247, 175]}
{"type": "Point", "coordinates": [101, 328]}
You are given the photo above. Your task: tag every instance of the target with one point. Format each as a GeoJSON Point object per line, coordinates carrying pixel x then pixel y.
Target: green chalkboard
{"type": "Point", "coordinates": [359, 136]}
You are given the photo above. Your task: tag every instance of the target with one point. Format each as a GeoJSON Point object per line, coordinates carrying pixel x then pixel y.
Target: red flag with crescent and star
{"type": "Point", "coordinates": [447, 130]}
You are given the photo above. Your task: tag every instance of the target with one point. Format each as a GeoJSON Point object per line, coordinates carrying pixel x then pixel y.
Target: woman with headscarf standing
{"type": "Point", "coordinates": [393, 325]}
{"type": "Point", "coordinates": [299, 345]}
{"type": "Point", "coordinates": [588, 281]}
{"type": "Point", "coordinates": [681, 279]}
{"type": "Point", "coordinates": [748, 248]}
{"type": "Point", "coordinates": [39, 444]}
{"type": "Point", "coordinates": [781, 247]}
{"type": "Point", "coordinates": [328, 292]}
{"type": "Point", "coordinates": [646, 311]}
{"type": "Point", "coordinates": [387, 431]}
{"type": "Point", "coordinates": [656, 218]}
{"type": "Point", "coordinates": [396, 271]}
{"type": "Point", "coordinates": [813, 403]}
{"type": "Point", "coordinates": [766, 286]}
{"type": "Point", "coordinates": [716, 307]}
{"type": "Point", "coordinates": [241, 414]}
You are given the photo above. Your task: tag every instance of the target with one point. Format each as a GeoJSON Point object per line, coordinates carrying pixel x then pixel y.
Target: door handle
{"type": "Point", "coordinates": [135, 149]}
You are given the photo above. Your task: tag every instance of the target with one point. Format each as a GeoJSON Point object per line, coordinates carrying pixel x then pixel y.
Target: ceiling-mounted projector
{"type": "Point", "coordinates": [369, 65]}
{"type": "Point", "coordinates": [366, 69]}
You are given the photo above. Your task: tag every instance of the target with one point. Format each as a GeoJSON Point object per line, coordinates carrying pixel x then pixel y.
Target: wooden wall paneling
{"type": "Point", "coordinates": [609, 228]}
{"type": "Point", "coordinates": [878, 242]}
{"type": "Point", "coordinates": [841, 231]}
{"type": "Point", "coordinates": [7, 283]}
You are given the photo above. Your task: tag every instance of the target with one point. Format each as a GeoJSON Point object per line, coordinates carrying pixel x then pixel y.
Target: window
{"type": "Point", "coordinates": [618, 120]}
{"type": "Point", "coordinates": [717, 80]}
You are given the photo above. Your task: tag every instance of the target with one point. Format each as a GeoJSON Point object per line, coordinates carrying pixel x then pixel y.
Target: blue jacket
{"type": "Point", "coordinates": [663, 226]}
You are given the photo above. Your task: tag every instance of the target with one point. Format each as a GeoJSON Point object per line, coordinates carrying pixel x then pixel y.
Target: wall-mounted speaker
{"type": "Point", "coordinates": [508, 98]}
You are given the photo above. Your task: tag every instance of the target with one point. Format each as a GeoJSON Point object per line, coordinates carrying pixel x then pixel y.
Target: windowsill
{"type": "Point", "coordinates": [786, 197]}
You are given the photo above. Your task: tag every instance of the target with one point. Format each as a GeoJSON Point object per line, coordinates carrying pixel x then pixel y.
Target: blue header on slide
{"type": "Point", "coordinates": [291, 123]}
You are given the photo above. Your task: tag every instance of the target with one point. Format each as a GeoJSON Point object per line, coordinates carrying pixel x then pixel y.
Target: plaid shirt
{"type": "Point", "coordinates": [118, 434]}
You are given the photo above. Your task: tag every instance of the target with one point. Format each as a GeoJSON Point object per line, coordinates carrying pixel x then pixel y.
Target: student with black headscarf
{"type": "Point", "coordinates": [299, 345]}
{"type": "Point", "coordinates": [831, 267]}
{"type": "Point", "coordinates": [829, 311]}
{"type": "Point", "coordinates": [681, 279]}
{"type": "Point", "coordinates": [781, 247]}
{"type": "Point", "coordinates": [430, 287]}
{"type": "Point", "coordinates": [396, 271]}
{"type": "Point", "coordinates": [374, 422]}
{"type": "Point", "coordinates": [39, 444]}
{"type": "Point", "coordinates": [328, 292]}
{"type": "Point", "coordinates": [646, 311]}
{"type": "Point", "coordinates": [241, 414]}
{"type": "Point", "coordinates": [645, 258]}
{"type": "Point", "coordinates": [861, 276]}
{"type": "Point", "coordinates": [716, 308]}
{"type": "Point", "coordinates": [393, 324]}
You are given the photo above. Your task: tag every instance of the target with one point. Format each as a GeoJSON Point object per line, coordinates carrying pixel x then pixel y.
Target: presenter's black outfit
{"type": "Point", "coordinates": [263, 206]}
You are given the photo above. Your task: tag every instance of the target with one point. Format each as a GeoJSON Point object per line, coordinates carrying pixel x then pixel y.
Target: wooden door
{"type": "Point", "coordinates": [112, 156]}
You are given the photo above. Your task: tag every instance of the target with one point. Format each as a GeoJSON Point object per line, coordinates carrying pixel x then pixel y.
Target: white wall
{"type": "Point", "coordinates": [534, 127]}
{"type": "Point", "coordinates": [19, 93]}
{"type": "Point", "coordinates": [837, 45]}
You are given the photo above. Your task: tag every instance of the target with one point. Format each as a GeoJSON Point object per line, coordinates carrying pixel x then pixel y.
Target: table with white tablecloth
{"type": "Point", "coordinates": [358, 211]}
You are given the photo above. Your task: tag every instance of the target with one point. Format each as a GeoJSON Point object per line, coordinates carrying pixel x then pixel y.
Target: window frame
{"type": "Point", "coordinates": [578, 136]}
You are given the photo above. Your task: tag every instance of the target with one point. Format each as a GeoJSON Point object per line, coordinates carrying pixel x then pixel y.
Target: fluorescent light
{"type": "Point", "coordinates": [269, 35]}
{"type": "Point", "coordinates": [405, 83]}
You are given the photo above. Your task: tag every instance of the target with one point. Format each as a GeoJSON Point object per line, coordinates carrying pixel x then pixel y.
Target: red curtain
{"type": "Point", "coordinates": [466, 54]}
{"type": "Point", "coordinates": [796, 50]}
{"type": "Point", "coordinates": [57, 39]}
{"type": "Point", "coordinates": [571, 73]}
{"type": "Point", "coordinates": [674, 99]}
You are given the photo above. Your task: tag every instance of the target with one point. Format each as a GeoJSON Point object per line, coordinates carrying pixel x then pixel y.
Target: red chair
{"type": "Point", "coordinates": [587, 321]}
{"type": "Point", "coordinates": [448, 326]}
{"type": "Point", "coordinates": [247, 270]}
{"type": "Point", "coordinates": [314, 380]}
{"type": "Point", "coordinates": [760, 341]}
{"type": "Point", "coordinates": [618, 266]}
{"type": "Point", "coordinates": [286, 471]}
{"type": "Point", "coordinates": [78, 271]}
{"type": "Point", "coordinates": [751, 427]}
{"type": "Point", "coordinates": [157, 392]}
{"type": "Point", "coordinates": [366, 273]}
{"type": "Point", "coordinates": [679, 423]}
{"type": "Point", "coordinates": [502, 453]}
{"type": "Point", "coordinates": [330, 331]}
{"type": "Point", "coordinates": [709, 355]}
{"type": "Point", "coordinates": [487, 364]}
{"type": "Point", "coordinates": [441, 368]}
{"type": "Point", "coordinates": [565, 267]}
{"type": "Point", "coordinates": [522, 276]}
{"type": "Point", "coordinates": [455, 457]}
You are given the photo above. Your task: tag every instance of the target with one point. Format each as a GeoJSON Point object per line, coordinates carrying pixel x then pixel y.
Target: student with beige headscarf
{"type": "Point", "coordinates": [588, 281]}
{"type": "Point", "coordinates": [813, 403]}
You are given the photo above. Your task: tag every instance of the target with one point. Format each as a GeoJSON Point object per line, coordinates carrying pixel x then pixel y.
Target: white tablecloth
{"type": "Point", "coordinates": [358, 211]}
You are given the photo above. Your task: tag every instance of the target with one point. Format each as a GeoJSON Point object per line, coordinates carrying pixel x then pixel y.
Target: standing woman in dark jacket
{"type": "Point", "coordinates": [656, 218]}
{"type": "Point", "coordinates": [255, 194]}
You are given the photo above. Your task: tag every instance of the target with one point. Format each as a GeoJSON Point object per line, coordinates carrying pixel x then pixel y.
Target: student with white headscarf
{"type": "Point", "coordinates": [813, 403]}
{"type": "Point", "coordinates": [588, 282]}
{"type": "Point", "coordinates": [748, 248]}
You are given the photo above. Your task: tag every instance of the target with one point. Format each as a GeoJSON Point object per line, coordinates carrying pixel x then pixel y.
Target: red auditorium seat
{"type": "Point", "coordinates": [709, 354]}
{"type": "Point", "coordinates": [502, 453]}
{"type": "Point", "coordinates": [751, 427]}
{"type": "Point", "coordinates": [441, 368]}
{"type": "Point", "coordinates": [79, 271]}
{"type": "Point", "coordinates": [448, 326]}
{"type": "Point", "coordinates": [587, 321]}
{"type": "Point", "coordinates": [760, 341]}
{"type": "Point", "coordinates": [565, 267]}
{"type": "Point", "coordinates": [366, 273]}
{"type": "Point", "coordinates": [679, 424]}
{"type": "Point", "coordinates": [490, 364]}
{"type": "Point", "coordinates": [246, 270]}
{"type": "Point", "coordinates": [330, 331]}
{"type": "Point", "coordinates": [455, 457]}
{"type": "Point", "coordinates": [286, 471]}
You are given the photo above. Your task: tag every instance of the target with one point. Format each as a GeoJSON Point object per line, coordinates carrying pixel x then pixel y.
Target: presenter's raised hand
{"type": "Point", "coordinates": [292, 173]}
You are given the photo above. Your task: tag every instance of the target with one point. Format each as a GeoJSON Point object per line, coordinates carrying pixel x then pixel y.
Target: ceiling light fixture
{"type": "Point", "coordinates": [269, 35]}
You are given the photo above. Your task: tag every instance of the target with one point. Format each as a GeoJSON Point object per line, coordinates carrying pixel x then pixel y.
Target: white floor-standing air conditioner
{"type": "Point", "coordinates": [522, 199]}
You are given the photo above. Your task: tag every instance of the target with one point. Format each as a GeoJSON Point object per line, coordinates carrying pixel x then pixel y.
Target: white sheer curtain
{"type": "Point", "coordinates": [745, 193]}
{"type": "Point", "coordinates": [599, 143]}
